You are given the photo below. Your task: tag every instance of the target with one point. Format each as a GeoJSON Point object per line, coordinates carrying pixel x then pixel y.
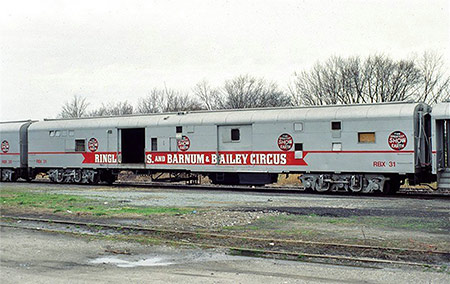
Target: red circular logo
{"type": "Point", "coordinates": [5, 146]}
{"type": "Point", "coordinates": [93, 144]}
{"type": "Point", "coordinates": [184, 143]}
{"type": "Point", "coordinates": [397, 140]}
{"type": "Point", "coordinates": [285, 142]}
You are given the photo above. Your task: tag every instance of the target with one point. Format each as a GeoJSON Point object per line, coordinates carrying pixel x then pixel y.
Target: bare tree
{"type": "Point", "coordinates": [167, 100]}
{"type": "Point", "coordinates": [152, 103]}
{"type": "Point", "coordinates": [209, 97]}
{"type": "Point", "coordinates": [74, 108]}
{"type": "Point", "coordinates": [113, 109]}
{"type": "Point", "coordinates": [349, 80]}
{"type": "Point", "coordinates": [435, 83]}
{"type": "Point", "coordinates": [246, 91]}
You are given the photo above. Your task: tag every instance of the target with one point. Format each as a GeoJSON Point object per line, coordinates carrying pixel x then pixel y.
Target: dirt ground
{"type": "Point", "coordinates": [374, 220]}
{"type": "Point", "coordinates": [37, 257]}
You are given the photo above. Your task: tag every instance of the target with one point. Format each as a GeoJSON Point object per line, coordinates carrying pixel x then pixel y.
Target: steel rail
{"type": "Point", "coordinates": [256, 189]}
{"type": "Point", "coordinates": [361, 249]}
{"type": "Point", "coordinates": [307, 257]}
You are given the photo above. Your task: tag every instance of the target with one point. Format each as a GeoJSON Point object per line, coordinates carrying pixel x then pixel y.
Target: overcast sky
{"type": "Point", "coordinates": [120, 50]}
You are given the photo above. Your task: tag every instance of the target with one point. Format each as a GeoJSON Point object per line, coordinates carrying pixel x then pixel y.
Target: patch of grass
{"type": "Point", "coordinates": [407, 223]}
{"type": "Point", "coordinates": [60, 203]}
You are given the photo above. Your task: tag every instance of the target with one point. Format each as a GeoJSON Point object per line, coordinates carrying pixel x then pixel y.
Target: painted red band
{"type": "Point", "coordinates": [228, 158]}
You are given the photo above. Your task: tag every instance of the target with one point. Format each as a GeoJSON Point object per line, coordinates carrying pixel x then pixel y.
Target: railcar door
{"type": "Point", "coordinates": [232, 140]}
{"type": "Point", "coordinates": [132, 142]}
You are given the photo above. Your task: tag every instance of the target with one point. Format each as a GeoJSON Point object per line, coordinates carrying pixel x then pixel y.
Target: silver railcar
{"type": "Point", "coordinates": [360, 148]}
{"type": "Point", "coordinates": [14, 150]}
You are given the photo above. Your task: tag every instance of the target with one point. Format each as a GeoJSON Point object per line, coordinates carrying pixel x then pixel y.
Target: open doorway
{"type": "Point", "coordinates": [133, 145]}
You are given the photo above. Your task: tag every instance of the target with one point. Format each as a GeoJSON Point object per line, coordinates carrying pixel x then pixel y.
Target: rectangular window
{"type": "Point", "coordinates": [154, 144]}
{"type": "Point", "coordinates": [80, 145]}
{"type": "Point", "coordinates": [235, 135]}
{"type": "Point", "coordinates": [57, 133]}
{"type": "Point", "coordinates": [298, 146]}
{"type": "Point", "coordinates": [298, 126]}
{"type": "Point", "coordinates": [179, 129]}
{"type": "Point", "coordinates": [336, 146]}
{"type": "Point", "coordinates": [366, 137]}
{"type": "Point", "coordinates": [71, 133]}
{"type": "Point", "coordinates": [51, 133]}
{"type": "Point", "coordinates": [335, 125]}
{"type": "Point", "coordinates": [64, 133]}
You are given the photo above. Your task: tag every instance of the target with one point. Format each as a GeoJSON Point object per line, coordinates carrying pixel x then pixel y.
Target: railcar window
{"type": "Point", "coordinates": [51, 133]}
{"type": "Point", "coordinates": [57, 133]}
{"type": "Point", "coordinates": [80, 145]}
{"type": "Point", "coordinates": [335, 125]}
{"type": "Point", "coordinates": [235, 134]}
{"type": "Point", "coordinates": [298, 126]}
{"type": "Point", "coordinates": [179, 129]}
{"type": "Point", "coordinates": [64, 133]}
{"type": "Point", "coordinates": [71, 133]}
{"type": "Point", "coordinates": [366, 137]}
{"type": "Point", "coordinates": [154, 144]}
{"type": "Point", "coordinates": [298, 146]}
{"type": "Point", "coordinates": [336, 146]}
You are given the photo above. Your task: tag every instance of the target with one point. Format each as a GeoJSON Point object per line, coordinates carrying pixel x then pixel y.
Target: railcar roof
{"type": "Point", "coordinates": [12, 126]}
{"type": "Point", "coordinates": [241, 116]}
{"type": "Point", "coordinates": [441, 110]}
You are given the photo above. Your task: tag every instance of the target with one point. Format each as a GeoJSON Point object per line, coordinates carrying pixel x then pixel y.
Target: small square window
{"type": "Point", "coordinates": [298, 126]}
{"type": "Point", "coordinates": [64, 133]}
{"type": "Point", "coordinates": [366, 137]}
{"type": "Point", "coordinates": [335, 125]}
{"type": "Point", "coordinates": [71, 133]}
{"type": "Point", "coordinates": [235, 134]}
{"type": "Point", "coordinates": [51, 133]}
{"type": "Point", "coordinates": [57, 133]}
{"type": "Point", "coordinates": [179, 129]}
{"type": "Point", "coordinates": [337, 146]}
{"type": "Point", "coordinates": [154, 144]}
{"type": "Point", "coordinates": [298, 146]}
{"type": "Point", "coordinates": [80, 145]}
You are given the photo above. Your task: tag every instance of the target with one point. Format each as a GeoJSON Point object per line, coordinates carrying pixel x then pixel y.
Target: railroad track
{"type": "Point", "coordinates": [404, 192]}
{"type": "Point", "coordinates": [243, 245]}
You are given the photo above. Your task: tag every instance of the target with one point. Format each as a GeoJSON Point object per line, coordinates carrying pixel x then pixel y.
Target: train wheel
{"type": "Point", "coordinates": [78, 176]}
{"type": "Point", "coordinates": [321, 185]}
{"type": "Point", "coordinates": [60, 176]}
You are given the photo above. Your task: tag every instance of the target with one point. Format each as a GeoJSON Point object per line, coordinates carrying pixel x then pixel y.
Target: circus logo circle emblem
{"type": "Point", "coordinates": [397, 140]}
{"type": "Point", "coordinates": [5, 146]}
{"type": "Point", "coordinates": [285, 142]}
{"type": "Point", "coordinates": [93, 144]}
{"type": "Point", "coordinates": [184, 143]}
